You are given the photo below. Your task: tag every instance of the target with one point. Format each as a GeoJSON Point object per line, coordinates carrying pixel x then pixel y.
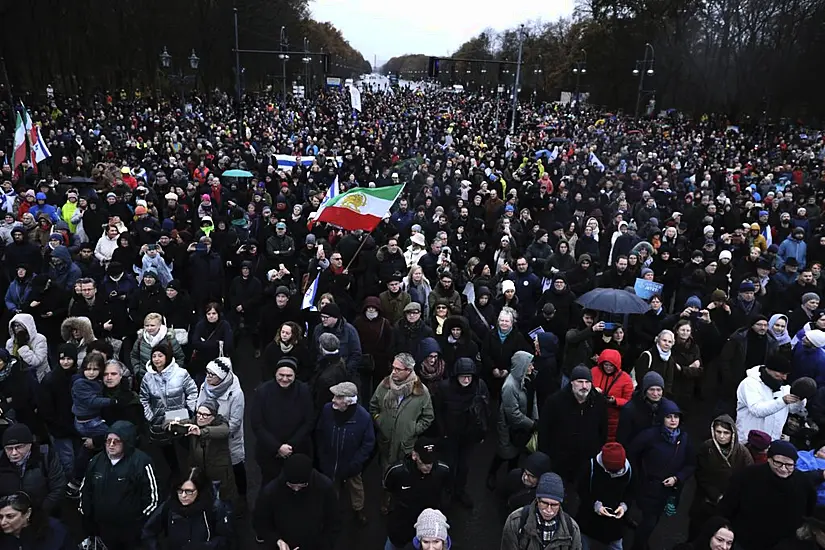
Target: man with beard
{"type": "Point", "coordinates": [299, 509]}
{"type": "Point", "coordinates": [394, 299]}
{"type": "Point", "coordinates": [573, 424]}
{"type": "Point", "coordinates": [617, 276]}
{"type": "Point", "coordinates": [402, 410]}
{"type": "Point", "coordinates": [88, 264]}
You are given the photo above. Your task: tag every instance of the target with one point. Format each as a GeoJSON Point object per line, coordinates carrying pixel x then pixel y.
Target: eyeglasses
{"type": "Point", "coordinates": [113, 442]}
{"type": "Point", "coordinates": [187, 492]}
{"type": "Point", "coordinates": [414, 312]}
{"type": "Point", "coordinates": [400, 369]}
{"type": "Point", "coordinates": [787, 466]}
{"type": "Point", "coordinates": [203, 414]}
{"type": "Point", "coordinates": [544, 504]}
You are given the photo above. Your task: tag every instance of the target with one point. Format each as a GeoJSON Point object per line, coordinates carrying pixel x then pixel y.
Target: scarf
{"type": "Point", "coordinates": [502, 335]}
{"type": "Point", "coordinates": [546, 529]}
{"type": "Point", "coordinates": [434, 372]}
{"type": "Point", "coordinates": [671, 435]}
{"type": "Point", "coordinates": [216, 392]}
{"type": "Point", "coordinates": [286, 348]}
{"type": "Point", "coordinates": [774, 384]}
{"type": "Point", "coordinates": [662, 354]}
{"type": "Point", "coordinates": [783, 338]}
{"type": "Point", "coordinates": [398, 392]}
{"type": "Point", "coordinates": [746, 307]}
{"type": "Point", "coordinates": [5, 373]}
{"type": "Point", "coordinates": [157, 338]}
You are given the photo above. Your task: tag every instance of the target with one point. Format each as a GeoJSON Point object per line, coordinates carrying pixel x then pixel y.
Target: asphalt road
{"type": "Point", "coordinates": [479, 528]}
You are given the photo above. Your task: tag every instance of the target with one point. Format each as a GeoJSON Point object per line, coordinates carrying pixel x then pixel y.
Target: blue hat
{"type": "Point", "coordinates": [746, 286]}
{"type": "Point", "coordinates": [550, 486]}
{"type": "Point", "coordinates": [40, 196]}
{"type": "Point", "coordinates": [509, 208]}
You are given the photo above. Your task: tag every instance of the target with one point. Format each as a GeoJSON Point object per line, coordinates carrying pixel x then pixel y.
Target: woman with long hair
{"type": "Point", "coordinates": [190, 517]}
{"type": "Point", "coordinates": [418, 287]}
{"type": "Point", "coordinates": [211, 338]}
{"type": "Point", "coordinates": [289, 342]}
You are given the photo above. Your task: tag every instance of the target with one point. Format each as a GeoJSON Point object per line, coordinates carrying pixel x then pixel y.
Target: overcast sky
{"type": "Point", "coordinates": [431, 27]}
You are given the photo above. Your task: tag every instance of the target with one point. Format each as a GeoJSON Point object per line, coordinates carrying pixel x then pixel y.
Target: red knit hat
{"type": "Point", "coordinates": [613, 456]}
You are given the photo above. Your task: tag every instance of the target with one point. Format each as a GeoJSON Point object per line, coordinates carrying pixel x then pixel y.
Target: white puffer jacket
{"type": "Point", "coordinates": [230, 398]}
{"type": "Point", "coordinates": [760, 408]}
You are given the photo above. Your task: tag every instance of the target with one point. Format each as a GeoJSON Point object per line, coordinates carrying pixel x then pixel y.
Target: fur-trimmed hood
{"type": "Point", "coordinates": [83, 324]}
{"type": "Point", "coordinates": [418, 386]}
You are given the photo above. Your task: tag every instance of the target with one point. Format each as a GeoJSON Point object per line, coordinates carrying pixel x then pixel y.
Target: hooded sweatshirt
{"type": "Point", "coordinates": [33, 352]}
{"type": "Point", "coordinates": [715, 464]}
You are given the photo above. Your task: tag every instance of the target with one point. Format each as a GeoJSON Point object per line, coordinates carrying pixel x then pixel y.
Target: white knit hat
{"type": "Point", "coordinates": [816, 337]}
{"type": "Point", "coordinates": [220, 367]}
{"type": "Point", "coordinates": [432, 524]}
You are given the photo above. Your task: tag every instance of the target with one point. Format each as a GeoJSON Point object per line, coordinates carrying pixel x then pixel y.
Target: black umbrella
{"type": "Point", "coordinates": [613, 300]}
{"type": "Point", "coordinates": [78, 180]}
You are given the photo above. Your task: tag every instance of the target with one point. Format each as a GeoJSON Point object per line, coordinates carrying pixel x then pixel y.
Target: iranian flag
{"type": "Point", "coordinates": [359, 208]}
{"type": "Point", "coordinates": [19, 154]}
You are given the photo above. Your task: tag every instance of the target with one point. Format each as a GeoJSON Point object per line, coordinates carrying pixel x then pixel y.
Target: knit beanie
{"type": "Point", "coordinates": [432, 524]}
{"type": "Point", "coordinates": [297, 469]}
{"type": "Point", "coordinates": [804, 387]}
{"type": "Point", "coordinates": [783, 448]}
{"type": "Point", "coordinates": [329, 343]}
{"type": "Point", "coordinates": [550, 486]}
{"type": "Point", "coordinates": [816, 337]}
{"type": "Point", "coordinates": [651, 379]}
{"type": "Point", "coordinates": [759, 440]}
{"type": "Point", "coordinates": [694, 301]}
{"type": "Point", "coordinates": [220, 367]}
{"type": "Point", "coordinates": [580, 372]}
{"type": "Point", "coordinates": [163, 348]}
{"type": "Point", "coordinates": [67, 350]}
{"type": "Point", "coordinates": [288, 362]}
{"type": "Point", "coordinates": [808, 296]}
{"type": "Point", "coordinates": [613, 456]}
{"type": "Point", "coordinates": [331, 310]}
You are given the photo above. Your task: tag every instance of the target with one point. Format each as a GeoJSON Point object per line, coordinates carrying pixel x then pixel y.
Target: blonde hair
{"type": "Point", "coordinates": [153, 317]}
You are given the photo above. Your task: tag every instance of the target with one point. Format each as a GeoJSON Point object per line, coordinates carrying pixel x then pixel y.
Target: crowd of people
{"type": "Point", "coordinates": [136, 274]}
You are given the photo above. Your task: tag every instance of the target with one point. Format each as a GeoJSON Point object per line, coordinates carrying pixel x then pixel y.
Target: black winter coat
{"type": "Point", "coordinates": [200, 526]}
{"type": "Point", "coordinates": [54, 399]}
{"type": "Point", "coordinates": [595, 484]}
{"type": "Point", "coordinates": [570, 432]}
{"type": "Point", "coordinates": [42, 478]}
{"type": "Point", "coordinates": [307, 519]}
{"type": "Point", "coordinates": [496, 354]}
{"type": "Point", "coordinates": [281, 415]}
{"type": "Point", "coordinates": [637, 415]}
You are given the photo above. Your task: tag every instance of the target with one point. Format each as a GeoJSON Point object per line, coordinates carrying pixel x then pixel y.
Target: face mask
{"type": "Point", "coordinates": [371, 315]}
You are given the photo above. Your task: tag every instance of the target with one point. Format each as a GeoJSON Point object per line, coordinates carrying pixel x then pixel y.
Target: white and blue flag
{"type": "Point", "coordinates": [309, 296]}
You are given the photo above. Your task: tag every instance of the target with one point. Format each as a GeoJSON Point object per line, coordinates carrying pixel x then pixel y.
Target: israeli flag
{"type": "Point", "coordinates": [594, 161]}
{"type": "Point", "coordinates": [288, 162]}
{"type": "Point", "coordinates": [309, 296]}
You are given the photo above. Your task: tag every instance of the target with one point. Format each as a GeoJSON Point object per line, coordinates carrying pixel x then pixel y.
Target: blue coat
{"type": "Point", "coordinates": [791, 248]}
{"type": "Point", "coordinates": [807, 462]}
{"type": "Point", "coordinates": [656, 459]}
{"type": "Point", "coordinates": [343, 450]}
{"type": "Point", "coordinates": [18, 293]}
{"type": "Point", "coordinates": [808, 362]}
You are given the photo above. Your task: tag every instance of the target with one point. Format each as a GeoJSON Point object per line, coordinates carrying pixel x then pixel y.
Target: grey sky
{"type": "Point", "coordinates": [432, 27]}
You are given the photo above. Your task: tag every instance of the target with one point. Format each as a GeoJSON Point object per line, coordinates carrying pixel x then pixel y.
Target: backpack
{"type": "Point", "coordinates": [525, 515]}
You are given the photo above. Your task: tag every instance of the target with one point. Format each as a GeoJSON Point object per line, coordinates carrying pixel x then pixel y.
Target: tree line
{"type": "Point", "coordinates": [743, 58]}
{"type": "Point", "coordinates": [97, 45]}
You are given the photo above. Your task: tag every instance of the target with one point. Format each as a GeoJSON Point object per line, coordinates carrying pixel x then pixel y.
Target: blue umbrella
{"type": "Point", "coordinates": [237, 174]}
{"type": "Point", "coordinates": [613, 300]}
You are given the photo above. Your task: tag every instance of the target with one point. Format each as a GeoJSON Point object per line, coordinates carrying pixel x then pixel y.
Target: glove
{"type": "Point", "coordinates": [21, 338]}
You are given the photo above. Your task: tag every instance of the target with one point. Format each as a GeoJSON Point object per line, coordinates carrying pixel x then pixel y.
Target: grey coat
{"type": "Point", "coordinates": [230, 399]}
{"type": "Point", "coordinates": [170, 390]}
{"type": "Point", "coordinates": [513, 413]}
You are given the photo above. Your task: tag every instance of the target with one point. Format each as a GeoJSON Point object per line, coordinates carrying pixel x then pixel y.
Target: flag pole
{"type": "Point", "coordinates": [358, 250]}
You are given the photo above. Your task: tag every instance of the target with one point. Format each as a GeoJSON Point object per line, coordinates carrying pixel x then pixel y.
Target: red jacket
{"type": "Point", "coordinates": [619, 385]}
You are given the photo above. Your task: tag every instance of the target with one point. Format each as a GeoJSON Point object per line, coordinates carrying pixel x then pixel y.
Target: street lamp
{"type": "Point", "coordinates": [306, 60]}
{"type": "Point", "coordinates": [644, 66]}
{"type": "Point", "coordinates": [284, 57]}
{"type": "Point", "coordinates": [580, 68]}
{"type": "Point", "coordinates": [179, 78]}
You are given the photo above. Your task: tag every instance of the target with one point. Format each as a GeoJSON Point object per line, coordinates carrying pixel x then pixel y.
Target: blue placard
{"type": "Point", "coordinates": [647, 289]}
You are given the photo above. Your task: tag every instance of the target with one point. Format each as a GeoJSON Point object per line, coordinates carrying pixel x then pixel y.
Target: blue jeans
{"type": "Point", "coordinates": [95, 427]}
{"type": "Point", "coordinates": [615, 545]}
{"type": "Point", "coordinates": [66, 449]}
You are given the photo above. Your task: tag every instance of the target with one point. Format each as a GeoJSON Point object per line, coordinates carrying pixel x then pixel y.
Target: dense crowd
{"type": "Point", "coordinates": [134, 270]}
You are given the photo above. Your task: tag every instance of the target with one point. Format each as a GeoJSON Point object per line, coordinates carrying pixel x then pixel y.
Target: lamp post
{"type": "Point", "coordinates": [518, 77]}
{"type": "Point", "coordinates": [180, 78]}
{"type": "Point", "coordinates": [306, 60]}
{"type": "Point", "coordinates": [579, 68]}
{"type": "Point", "coordinates": [644, 66]}
{"type": "Point", "coordinates": [537, 72]}
{"type": "Point", "coordinates": [238, 91]}
{"type": "Point", "coordinates": [284, 57]}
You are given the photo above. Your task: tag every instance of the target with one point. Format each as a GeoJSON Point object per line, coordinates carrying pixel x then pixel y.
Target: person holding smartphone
{"type": "Point", "coordinates": [605, 489]}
